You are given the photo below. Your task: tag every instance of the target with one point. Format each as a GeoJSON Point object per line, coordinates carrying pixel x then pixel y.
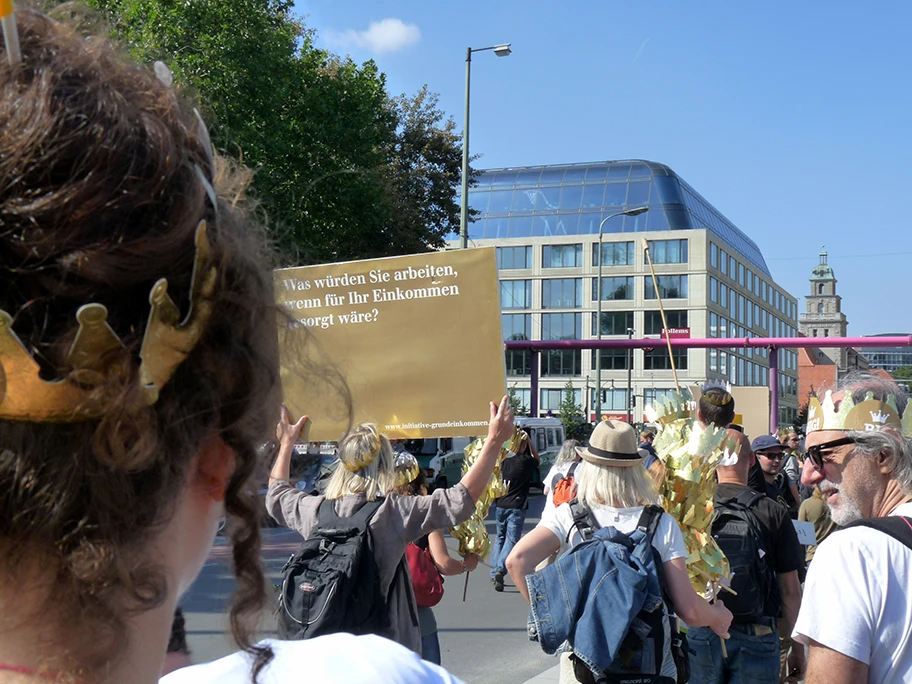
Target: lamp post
{"type": "Point", "coordinates": [630, 332]}
{"type": "Point", "coordinates": [636, 211]}
{"type": "Point", "coordinates": [501, 51]}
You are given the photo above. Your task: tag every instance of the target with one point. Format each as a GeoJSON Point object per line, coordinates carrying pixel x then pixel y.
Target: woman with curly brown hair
{"type": "Point", "coordinates": [138, 368]}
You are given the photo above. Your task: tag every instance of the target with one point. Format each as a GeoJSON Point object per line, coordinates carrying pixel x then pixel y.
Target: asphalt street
{"type": "Point", "coordinates": [483, 640]}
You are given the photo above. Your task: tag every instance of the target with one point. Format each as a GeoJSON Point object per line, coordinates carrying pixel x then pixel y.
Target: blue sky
{"type": "Point", "coordinates": [792, 118]}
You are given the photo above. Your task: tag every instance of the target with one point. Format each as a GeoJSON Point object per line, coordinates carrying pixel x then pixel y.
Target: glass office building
{"type": "Point", "coordinates": [888, 358]}
{"type": "Point", "coordinates": [713, 280]}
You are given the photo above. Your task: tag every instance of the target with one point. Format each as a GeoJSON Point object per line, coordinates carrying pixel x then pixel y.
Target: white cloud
{"type": "Point", "coordinates": [387, 35]}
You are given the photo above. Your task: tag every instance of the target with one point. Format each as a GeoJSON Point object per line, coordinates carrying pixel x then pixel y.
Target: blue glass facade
{"type": "Point", "coordinates": [572, 199]}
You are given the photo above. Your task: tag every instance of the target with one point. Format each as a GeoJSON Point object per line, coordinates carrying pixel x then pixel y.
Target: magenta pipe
{"type": "Point", "coordinates": [715, 342]}
{"type": "Point", "coordinates": [774, 389]}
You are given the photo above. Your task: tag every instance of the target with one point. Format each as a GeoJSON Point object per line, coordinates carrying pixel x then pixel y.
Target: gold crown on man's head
{"type": "Point", "coordinates": [26, 397]}
{"type": "Point", "coordinates": [870, 414]}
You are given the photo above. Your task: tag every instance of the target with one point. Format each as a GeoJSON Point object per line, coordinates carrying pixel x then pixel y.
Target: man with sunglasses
{"type": "Point", "coordinates": [770, 454]}
{"type": "Point", "coordinates": [856, 615]}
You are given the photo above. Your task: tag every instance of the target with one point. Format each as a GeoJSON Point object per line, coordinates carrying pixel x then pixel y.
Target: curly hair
{"type": "Point", "coordinates": [99, 198]}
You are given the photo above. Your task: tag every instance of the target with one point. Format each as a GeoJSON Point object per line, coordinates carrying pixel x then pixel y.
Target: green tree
{"type": "Point", "coordinates": [571, 414]}
{"type": "Point", "coordinates": [342, 171]}
{"type": "Point", "coordinates": [903, 373]}
{"type": "Point", "coordinates": [515, 402]}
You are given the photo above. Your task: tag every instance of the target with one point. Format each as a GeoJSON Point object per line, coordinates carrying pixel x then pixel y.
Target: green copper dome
{"type": "Point", "coordinates": [822, 271]}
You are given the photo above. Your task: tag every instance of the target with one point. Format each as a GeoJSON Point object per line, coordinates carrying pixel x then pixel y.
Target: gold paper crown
{"type": "Point", "coordinates": [870, 414]}
{"type": "Point", "coordinates": [25, 397]}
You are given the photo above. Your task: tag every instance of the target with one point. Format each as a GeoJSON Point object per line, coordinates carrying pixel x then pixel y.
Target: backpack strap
{"type": "Point", "coordinates": [327, 518]}
{"type": "Point", "coordinates": [583, 520]}
{"type": "Point", "coordinates": [749, 498]}
{"type": "Point", "coordinates": [897, 526]}
{"type": "Point", "coordinates": [649, 521]}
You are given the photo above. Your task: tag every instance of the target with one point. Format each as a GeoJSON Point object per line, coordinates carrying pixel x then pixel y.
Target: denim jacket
{"type": "Point", "coordinates": [592, 594]}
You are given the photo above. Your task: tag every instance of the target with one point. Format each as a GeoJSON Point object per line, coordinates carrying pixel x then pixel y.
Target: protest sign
{"type": "Point", "coordinates": [415, 340]}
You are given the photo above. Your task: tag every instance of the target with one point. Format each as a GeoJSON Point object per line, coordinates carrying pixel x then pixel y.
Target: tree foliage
{"type": "Point", "coordinates": [571, 414]}
{"type": "Point", "coordinates": [342, 171]}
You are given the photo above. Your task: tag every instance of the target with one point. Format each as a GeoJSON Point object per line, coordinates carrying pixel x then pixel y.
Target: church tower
{"type": "Point", "coordinates": [823, 316]}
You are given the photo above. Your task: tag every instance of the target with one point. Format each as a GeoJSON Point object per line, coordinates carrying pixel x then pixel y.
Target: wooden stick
{"type": "Point", "coordinates": [10, 32]}
{"type": "Point", "coordinates": [655, 285]}
{"type": "Point", "coordinates": [714, 587]}
{"type": "Point", "coordinates": [714, 582]}
{"type": "Point", "coordinates": [465, 588]}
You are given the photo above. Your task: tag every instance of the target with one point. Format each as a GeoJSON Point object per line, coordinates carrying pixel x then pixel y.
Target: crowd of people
{"type": "Point", "coordinates": [140, 379]}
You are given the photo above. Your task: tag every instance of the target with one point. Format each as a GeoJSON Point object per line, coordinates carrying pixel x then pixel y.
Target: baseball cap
{"type": "Point", "coordinates": [764, 442]}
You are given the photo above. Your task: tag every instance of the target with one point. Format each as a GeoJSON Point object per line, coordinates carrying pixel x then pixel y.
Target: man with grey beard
{"type": "Point", "coordinates": [856, 615]}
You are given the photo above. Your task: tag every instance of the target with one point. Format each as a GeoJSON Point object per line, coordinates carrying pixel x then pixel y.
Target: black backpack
{"type": "Point", "coordinates": [332, 583]}
{"type": "Point", "coordinates": [737, 531]}
{"type": "Point", "coordinates": [647, 632]}
{"type": "Point", "coordinates": [897, 526]}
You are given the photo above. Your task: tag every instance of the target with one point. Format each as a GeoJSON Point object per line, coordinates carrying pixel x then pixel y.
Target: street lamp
{"type": "Point", "coordinates": [630, 332]}
{"type": "Point", "coordinates": [502, 50]}
{"type": "Point", "coordinates": [636, 211]}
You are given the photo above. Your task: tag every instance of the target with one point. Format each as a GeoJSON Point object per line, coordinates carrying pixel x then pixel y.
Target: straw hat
{"type": "Point", "coordinates": [613, 443]}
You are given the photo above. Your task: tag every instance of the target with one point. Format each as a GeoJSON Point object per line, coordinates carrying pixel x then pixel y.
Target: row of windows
{"type": "Point", "coordinates": [656, 219]}
{"type": "Point", "coordinates": [571, 256]}
{"type": "Point", "coordinates": [502, 199]}
{"type": "Point", "coordinates": [567, 293]}
{"type": "Point", "coordinates": [618, 322]}
{"type": "Point", "coordinates": [748, 312]}
{"type": "Point", "coordinates": [570, 361]}
{"type": "Point", "coordinates": [735, 271]}
{"type": "Point", "coordinates": [565, 174]}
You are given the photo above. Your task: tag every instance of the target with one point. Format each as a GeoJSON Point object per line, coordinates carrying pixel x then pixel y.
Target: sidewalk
{"type": "Point", "coordinates": [547, 677]}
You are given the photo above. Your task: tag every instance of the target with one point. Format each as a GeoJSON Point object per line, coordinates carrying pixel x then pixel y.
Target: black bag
{"type": "Point", "coordinates": [332, 583]}
{"type": "Point", "coordinates": [739, 535]}
{"type": "Point", "coordinates": [647, 632]}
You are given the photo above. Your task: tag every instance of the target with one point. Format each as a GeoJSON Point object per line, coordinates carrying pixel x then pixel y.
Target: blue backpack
{"type": "Point", "coordinates": [623, 652]}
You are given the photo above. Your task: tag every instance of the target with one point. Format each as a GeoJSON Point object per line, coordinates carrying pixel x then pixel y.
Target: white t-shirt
{"type": "Point", "coordinates": [668, 540]}
{"type": "Point", "coordinates": [341, 658]}
{"type": "Point", "coordinates": [561, 470]}
{"type": "Point", "coordinates": [858, 601]}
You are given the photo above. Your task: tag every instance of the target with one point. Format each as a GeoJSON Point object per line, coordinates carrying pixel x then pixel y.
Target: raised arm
{"type": "Point", "coordinates": [287, 433]}
{"type": "Point", "coordinates": [500, 427]}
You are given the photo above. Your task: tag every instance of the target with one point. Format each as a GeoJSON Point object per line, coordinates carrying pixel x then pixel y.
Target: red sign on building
{"type": "Point", "coordinates": [675, 333]}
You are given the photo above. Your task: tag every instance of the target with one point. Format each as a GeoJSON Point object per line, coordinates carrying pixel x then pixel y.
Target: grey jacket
{"type": "Point", "coordinates": [398, 521]}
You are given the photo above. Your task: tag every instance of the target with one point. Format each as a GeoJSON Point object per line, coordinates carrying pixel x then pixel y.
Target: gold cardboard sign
{"type": "Point", "coordinates": [416, 340]}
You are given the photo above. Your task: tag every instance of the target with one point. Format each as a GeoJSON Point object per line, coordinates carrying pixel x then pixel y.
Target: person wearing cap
{"type": "Point", "coordinates": [613, 484]}
{"type": "Point", "coordinates": [856, 617]}
{"type": "Point", "coordinates": [769, 453]}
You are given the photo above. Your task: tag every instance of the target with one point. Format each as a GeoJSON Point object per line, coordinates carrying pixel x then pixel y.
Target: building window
{"type": "Point", "coordinates": [713, 290]}
{"type": "Point", "coordinates": [750, 281]}
{"type": "Point", "coordinates": [524, 395]}
{"type": "Point", "coordinates": [723, 295]}
{"type": "Point", "coordinates": [713, 255]}
{"type": "Point", "coordinates": [670, 287]}
{"type": "Point", "coordinates": [613, 322]}
{"type": "Point", "coordinates": [613, 399]}
{"type": "Point", "coordinates": [741, 314]}
{"type": "Point", "coordinates": [561, 362]}
{"type": "Point", "coordinates": [741, 275]}
{"type": "Point", "coordinates": [820, 307]}
{"type": "Point", "coordinates": [723, 262]}
{"type": "Point", "coordinates": [562, 256]}
{"type": "Point", "coordinates": [652, 321]}
{"type": "Point", "coordinates": [514, 257]}
{"type": "Point", "coordinates": [551, 399]}
{"type": "Point", "coordinates": [657, 359]}
{"type": "Point", "coordinates": [612, 359]}
{"type": "Point", "coordinates": [651, 395]}
{"type": "Point", "coordinates": [668, 251]}
{"type": "Point", "coordinates": [713, 325]}
{"type": "Point", "coordinates": [562, 293]}
{"type": "Point", "coordinates": [517, 327]}
{"type": "Point", "coordinates": [614, 254]}
{"type": "Point", "coordinates": [713, 360]}
{"type": "Point", "coordinates": [732, 267]}
{"type": "Point", "coordinates": [561, 326]}
{"type": "Point", "coordinates": [515, 294]}
{"type": "Point", "coordinates": [613, 288]}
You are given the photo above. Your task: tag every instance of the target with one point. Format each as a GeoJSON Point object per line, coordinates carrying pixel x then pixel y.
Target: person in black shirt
{"type": "Point", "coordinates": [511, 507]}
{"type": "Point", "coordinates": [754, 648]}
{"type": "Point", "coordinates": [770, 454]}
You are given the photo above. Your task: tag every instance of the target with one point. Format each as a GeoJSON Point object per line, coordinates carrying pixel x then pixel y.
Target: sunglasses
{"type": "Point", "coordinates": [771, 457]}
{"type": "Point", "coordinates": [816, 456]}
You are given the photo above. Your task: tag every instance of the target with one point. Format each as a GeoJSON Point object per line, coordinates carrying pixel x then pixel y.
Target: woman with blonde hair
{"type": "Point", "coordinates": [613, 486]}
{"type": "Point", "coordinates": [367, 472]}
